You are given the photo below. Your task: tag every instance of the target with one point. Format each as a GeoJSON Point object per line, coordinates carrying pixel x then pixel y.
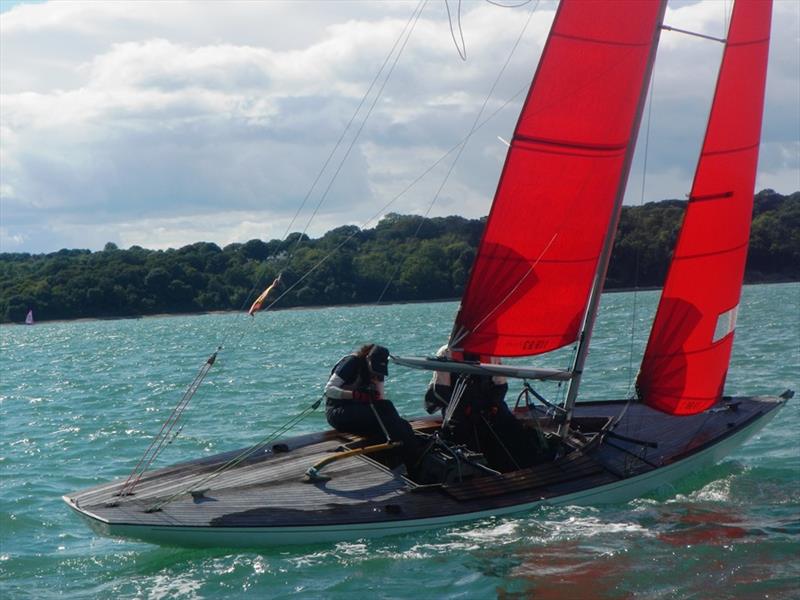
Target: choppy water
{"type": "Point", "coordinates": [78, 402]}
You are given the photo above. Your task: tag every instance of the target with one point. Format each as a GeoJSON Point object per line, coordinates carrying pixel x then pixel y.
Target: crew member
{"type": "Point", "coordinates": [355, 401]}
{"type": "Point", "coordinates": [440, 389]}
{"type": "Point", "coordinates": [484, 423]}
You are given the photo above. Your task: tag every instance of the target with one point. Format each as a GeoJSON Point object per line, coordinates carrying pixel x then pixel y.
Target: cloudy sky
{"type": "Point", "coordinates": [164, 123]}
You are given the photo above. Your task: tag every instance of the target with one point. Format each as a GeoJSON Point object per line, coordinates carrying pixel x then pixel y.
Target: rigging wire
{"type": "Point", "coordinates": [411, 22]}
{"type": "Point", "coordinates": [500, 443]}
{"type": "Point", "coordinates": [160, 440]}
{"type": "Point", "coordinates": [457, 147]}
{"type": "Point", "coordinates": [243, 455]}
{"type": "Point", "coordinates": [517, 5]}
{"type": "Point", "coordinates": [631, 379]}
{"type": "Point", "coordinates": [415, 19]}
{"type": "Point", "coordinates": [463, 144]}
{"type": "Point", "coordinates": [462, 48]}
{"type": "Point", "coordinates": [405, 35]}
{"type": "Point", "coordinates": [405, 190]}
{"type": "Point", "coordinates": [634, 424]}
{"type": "Point", "coordinates": [433, 165]}
{"type": "Point", "coordinates": [725, 13]}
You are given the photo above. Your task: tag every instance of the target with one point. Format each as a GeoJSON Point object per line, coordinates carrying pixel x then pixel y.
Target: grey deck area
{"type": "Point", "coordinates": [676, 437]}
{"type": "Point", "coordinates": [268, 489]}
{"type": "Point", "coordinates": [267, 482]}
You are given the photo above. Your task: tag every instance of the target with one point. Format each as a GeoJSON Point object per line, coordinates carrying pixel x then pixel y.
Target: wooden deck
{"type": "Point", "coordinates": [268, 489]}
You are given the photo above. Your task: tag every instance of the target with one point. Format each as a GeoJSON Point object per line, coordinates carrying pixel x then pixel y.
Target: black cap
{"type": "Point", "coordinates": [378, 359]}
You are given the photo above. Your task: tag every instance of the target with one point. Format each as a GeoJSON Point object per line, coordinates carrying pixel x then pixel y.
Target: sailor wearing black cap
{"type": "Point", "coordinates": [355, 402]}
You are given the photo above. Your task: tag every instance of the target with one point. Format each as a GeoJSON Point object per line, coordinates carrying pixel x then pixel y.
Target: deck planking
{"type": "Point", "coordinates": [268, 489]}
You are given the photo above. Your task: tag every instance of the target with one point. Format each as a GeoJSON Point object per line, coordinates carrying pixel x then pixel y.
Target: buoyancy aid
{"type": "Point", "coordinates": [349, 374]}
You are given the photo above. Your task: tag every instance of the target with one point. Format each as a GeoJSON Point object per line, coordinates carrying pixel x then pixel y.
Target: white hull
{"type": "Point", "coordinates": [619, 491]}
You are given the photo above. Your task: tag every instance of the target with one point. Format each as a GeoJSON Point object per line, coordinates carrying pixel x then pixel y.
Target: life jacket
{"type": "Point", "coordinates": [355, 377]}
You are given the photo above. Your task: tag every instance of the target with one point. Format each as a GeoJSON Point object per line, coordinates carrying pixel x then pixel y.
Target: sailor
{"type": "Point", "coordinates": [355, 402]}
{"type": "Point", "coordinates": [484, 423]}
{"type": "Point", "coordinates": [440, 389]}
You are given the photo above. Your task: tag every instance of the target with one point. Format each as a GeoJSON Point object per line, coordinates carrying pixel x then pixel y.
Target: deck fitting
{"type": "Point", "coordinates": [312, 475]}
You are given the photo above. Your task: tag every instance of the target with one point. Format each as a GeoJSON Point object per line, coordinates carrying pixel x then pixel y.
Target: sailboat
{"type": "Point", "coordinates": [535, 287]}
{"type": "Point", "coordinates": [29, 317]}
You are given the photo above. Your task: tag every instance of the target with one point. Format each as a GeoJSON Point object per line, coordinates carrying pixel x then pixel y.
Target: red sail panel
{"type": "Point", "coordinates": [686, 360]}
{"type": "Point", "coordinates": [528, 290]}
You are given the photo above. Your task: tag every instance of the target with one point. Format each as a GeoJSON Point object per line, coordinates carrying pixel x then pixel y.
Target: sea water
{"type": "Point", "coordinates": [80, 402]}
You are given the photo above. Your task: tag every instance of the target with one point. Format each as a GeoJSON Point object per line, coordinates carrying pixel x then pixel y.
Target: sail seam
{"type": "Point", "coordinates": [748, 42]}
{"type": "Point", "coordinates": [717, 253]}
{"type": "Point", "coordinates": [595, 155]}
{"type": "Point", "coordinates": [718, 196]}
{"type": "Point", "coordinates": [582, 146]}
{"type": "Point", "coordinates": [682, 352]}
{"type": "Point", "coordinates": [602, 41]}
{"type": "Point", "coordinates": [523, 335]}
{"type": "Point", "coordinates": [731, 150]}
{"type": "Point", "coordinates": [682, 396]}
{"type": "Point", "coordinates": [549, 261]}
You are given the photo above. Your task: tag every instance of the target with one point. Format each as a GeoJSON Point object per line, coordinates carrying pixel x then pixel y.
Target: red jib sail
{"type": "Point", "coordinates": [528, 290]}
{"type": "Point", "coordinates": [686, 360]}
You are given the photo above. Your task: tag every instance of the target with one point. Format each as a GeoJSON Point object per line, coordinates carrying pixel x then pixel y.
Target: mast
{"type": "Point", "coordinates": [608, 243]}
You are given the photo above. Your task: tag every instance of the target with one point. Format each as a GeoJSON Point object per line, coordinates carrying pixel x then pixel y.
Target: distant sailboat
{"type": "Point", "coordinates": [29, 317]}
{"type": "Point", "coordinates": [535, 287]}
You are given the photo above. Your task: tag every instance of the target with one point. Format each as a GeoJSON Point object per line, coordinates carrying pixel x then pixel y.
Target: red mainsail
{"type": "Point", "coordinates": [686, 360]}
{"type": "Point", "coordinates": [529, 286]}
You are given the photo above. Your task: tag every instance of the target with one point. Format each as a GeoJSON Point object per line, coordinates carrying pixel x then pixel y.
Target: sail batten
{"type": "Point", "coordinates": [718, 252]}
{"type": "Point", "coordinates": [731, 150]}
{"type": "Point", "coordinates": [717, 196]}
{"type": "Point", "coordinates": [537, 260]}
{"type": "Point", "coordinates": [686, 360]}
{"type": "Point", "coordinates": [613, 147]}
{"type": "Point", "coordinates": [602, 41]}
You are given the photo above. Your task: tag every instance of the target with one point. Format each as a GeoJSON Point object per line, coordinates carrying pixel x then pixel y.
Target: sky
{"type": "Point", "coordinates": [161, 124]}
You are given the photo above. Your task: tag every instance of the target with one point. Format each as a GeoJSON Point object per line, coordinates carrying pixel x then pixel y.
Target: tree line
{"type": "Point", "coordinates": [403, 258]}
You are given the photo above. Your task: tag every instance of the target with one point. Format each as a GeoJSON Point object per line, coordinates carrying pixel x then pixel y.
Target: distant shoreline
{"type": "Point", "coordinates": [202, 277]}
{"type": "Point", "coordinates": [321, 307]}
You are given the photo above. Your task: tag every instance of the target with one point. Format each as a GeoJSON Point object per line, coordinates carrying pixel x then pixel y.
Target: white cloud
{"type": "Point", "coordinates": [164, 123]}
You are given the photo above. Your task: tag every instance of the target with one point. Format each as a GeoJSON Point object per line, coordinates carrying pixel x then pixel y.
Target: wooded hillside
{"type": "Point", "coordinates": [419, 259]}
